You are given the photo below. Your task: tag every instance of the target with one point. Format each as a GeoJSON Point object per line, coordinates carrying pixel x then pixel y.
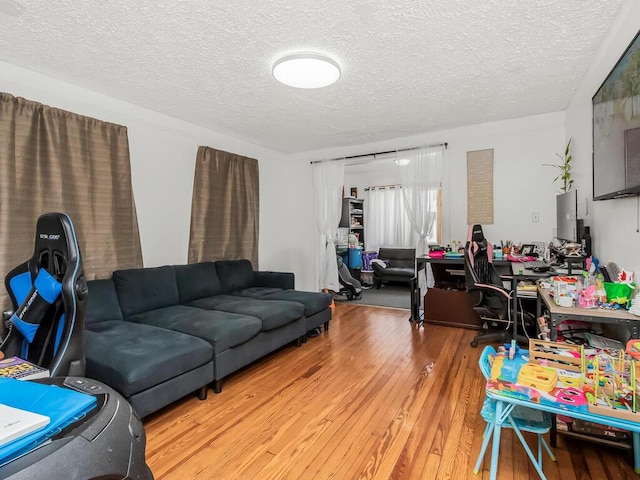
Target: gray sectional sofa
{"type": "Point", "coordinates": [158, 334]}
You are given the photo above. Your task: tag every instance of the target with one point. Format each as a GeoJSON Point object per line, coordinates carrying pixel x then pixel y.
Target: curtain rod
{"type": "Point", "coordinates": [375, 187]}
{"type": "Point", "coordinates": [444, 144]}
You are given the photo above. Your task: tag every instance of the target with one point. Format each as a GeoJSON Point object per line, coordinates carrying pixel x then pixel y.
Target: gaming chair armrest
{"type": "Point", "coordinates": [480, 290]}
{"type": "Point", "coordinates": [488, 287]}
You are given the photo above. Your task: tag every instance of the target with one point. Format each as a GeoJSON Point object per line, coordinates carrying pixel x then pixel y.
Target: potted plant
{"type": "Point", "coordinates": [565, 169]}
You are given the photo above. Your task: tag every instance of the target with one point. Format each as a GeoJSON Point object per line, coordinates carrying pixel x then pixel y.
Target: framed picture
{"type": "Point", "coordinates": [354, 192]}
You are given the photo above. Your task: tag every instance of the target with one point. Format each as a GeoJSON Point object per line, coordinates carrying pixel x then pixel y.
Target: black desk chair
{"type": "Point", "coordinates": [490, 300]}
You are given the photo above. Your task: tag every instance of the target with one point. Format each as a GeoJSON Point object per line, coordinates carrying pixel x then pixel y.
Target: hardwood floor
{"type": "Point", "coordinates": [373, 398]}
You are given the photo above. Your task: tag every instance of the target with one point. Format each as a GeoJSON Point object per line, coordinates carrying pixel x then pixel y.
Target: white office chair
{"type": "Point", "coordinates": [524, 420]}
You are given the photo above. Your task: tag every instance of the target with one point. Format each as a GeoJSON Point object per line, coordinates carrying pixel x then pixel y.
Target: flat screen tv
{"type": "Point", "coordinates": [567, 216]}
{"type": "Point", "coordinates": [616, 129]}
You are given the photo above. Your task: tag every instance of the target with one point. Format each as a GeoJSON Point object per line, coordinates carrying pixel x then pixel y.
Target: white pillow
{"type": "Point", "coordinates": [377, 261]}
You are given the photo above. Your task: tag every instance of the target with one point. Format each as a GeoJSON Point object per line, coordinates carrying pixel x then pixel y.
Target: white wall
{"type": "Point", "coordinates": [614, 223]}
{"type": "Point", "coordinates": [522, 185]}
{"type": "Point", "coordinates": [163, 152]}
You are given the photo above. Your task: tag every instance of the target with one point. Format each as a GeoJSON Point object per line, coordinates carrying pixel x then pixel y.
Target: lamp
{"type": "Point", "coordinates": [306, 70]}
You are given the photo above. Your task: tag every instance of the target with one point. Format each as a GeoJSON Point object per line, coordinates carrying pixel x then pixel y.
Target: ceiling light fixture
{"type": "Point", "coordinates": [401, 162]}
{"type": "Point", "coordinates": [306, 70]}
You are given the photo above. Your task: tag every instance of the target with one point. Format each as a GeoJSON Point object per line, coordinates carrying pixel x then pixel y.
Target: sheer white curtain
{"type": "Point", "coordinates": [421, 180]}
{"type": "Point", "coordinates": [386, 221]}
{"type": "Point", "coordinates": [328, 181]}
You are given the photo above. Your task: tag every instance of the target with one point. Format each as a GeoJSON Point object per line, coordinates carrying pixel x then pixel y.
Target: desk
{"type": "Point", "coordinates": [558, 314]}
{"type": "Point", "coordinates": [448, 302]}
{"type": "Point", "coordinates": [508, 394]}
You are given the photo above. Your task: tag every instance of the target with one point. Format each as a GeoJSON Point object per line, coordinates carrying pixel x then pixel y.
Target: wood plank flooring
{"type": "Point", "coordinates": [373, 398]}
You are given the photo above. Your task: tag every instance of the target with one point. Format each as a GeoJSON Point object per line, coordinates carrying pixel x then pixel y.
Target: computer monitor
{"type": "Point", "coordinates": [567, 216]}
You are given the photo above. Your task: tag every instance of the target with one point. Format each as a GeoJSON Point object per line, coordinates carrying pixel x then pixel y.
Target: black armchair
{"type": "Point", "coordinates": [400, 268]}
{"type": "Point", "coordinates": [490, 300]}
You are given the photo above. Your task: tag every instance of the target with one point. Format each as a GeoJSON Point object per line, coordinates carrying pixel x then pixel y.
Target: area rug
{"type": "Point", "coordinates": [397, 296]}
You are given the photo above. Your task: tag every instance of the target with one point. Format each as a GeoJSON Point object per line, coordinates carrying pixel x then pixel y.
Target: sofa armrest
{"type": "Point", "coordinates": [284, 280]}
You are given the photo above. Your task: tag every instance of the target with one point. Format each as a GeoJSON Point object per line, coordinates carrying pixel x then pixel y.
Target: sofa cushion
{"type": "Point", "coordinates": [102, 302]}
{"type": "Point", "coordinates": [223, 330]}
{"type": "Point", "coordinates": [197, 280]}
{"type": "Point", "coordinates": [235, 275]}
{"type": "Point", "coordinates": [144, 289]}
{"type": "Point", "coordinates": [313, 302]}
{"type": "Point", "coordinates": [273, 313]}
{"type": "Point", "coordinates": [133, 357]}
{"type": "Point", "coordinates": [212, 303]}
{"type": "Point", "coordinates": [257, 292]}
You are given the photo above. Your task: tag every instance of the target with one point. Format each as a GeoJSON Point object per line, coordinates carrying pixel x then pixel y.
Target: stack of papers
{"type": "Point", "coordinates": [15, 423]}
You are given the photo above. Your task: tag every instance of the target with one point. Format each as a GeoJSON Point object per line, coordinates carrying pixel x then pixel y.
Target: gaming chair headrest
{"type": "Point", "coordinates": [55, 246]}
{"type": "Point", "coordinates": [477, 235]}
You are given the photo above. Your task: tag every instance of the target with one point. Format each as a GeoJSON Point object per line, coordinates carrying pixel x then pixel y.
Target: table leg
{"type": "Point", "coordinates": [495, 449]}
{"type": "Point", "coordinates": [514, 315]}
{"type": "Point", "coordinates": [636, 452]}
{"type": "Point", "coordinates": [553, 327]}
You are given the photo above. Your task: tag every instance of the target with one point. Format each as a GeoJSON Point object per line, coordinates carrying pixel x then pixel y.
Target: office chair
{"type": "Point", "coordinates": [49, 293]}
{"type": "Point", "coordinates": [521, 419]}
{"type": "Point", "coordinates": [489, 298]}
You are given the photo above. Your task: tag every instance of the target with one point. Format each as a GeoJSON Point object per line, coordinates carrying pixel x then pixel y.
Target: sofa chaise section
{"type": "Point", "coordinates": [239, 278]}
{"type": "Point", "coordinates": [150, 366]}
{"type": "Point", "coordinates": [280, 322]}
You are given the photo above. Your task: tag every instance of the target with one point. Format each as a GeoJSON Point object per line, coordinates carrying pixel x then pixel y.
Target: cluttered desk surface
{"type": "Point", "coordinates": [546, 295]}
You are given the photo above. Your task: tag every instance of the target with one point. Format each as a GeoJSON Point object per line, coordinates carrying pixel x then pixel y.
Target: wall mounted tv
{"type": "Point", "coordinates": [616, 129]}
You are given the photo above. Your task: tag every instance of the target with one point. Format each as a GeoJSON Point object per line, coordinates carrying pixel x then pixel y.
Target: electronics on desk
{"type": "Point", "coordinates": [537, 266]}
{"type": "Point", "coordinates": [564, 270]}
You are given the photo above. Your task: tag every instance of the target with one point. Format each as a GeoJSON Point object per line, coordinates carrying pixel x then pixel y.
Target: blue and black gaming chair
{"type": "Point", "coordinates": [49, 293]}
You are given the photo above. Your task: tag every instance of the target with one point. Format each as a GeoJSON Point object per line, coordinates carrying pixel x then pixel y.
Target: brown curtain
{"type": "Point", "coordinates": [57, 161]}
{"type": "Point", "coordinates": [225, 207]}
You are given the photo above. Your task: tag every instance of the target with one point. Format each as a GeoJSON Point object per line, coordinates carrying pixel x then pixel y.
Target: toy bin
{"type": "Point", "coordinates": [618, 292]}
{"type": "Point", "coordinates": [355, 257]}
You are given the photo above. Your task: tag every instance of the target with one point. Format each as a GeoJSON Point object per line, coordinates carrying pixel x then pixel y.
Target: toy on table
{"type": "Point", "coordinates": [557, 355]}
{"type": "Point", "coordinates": [537, 376]}
{"type": "Point", "coordinates": [614, 383]}
{"type": "Point", "coordinates": [633, 348]}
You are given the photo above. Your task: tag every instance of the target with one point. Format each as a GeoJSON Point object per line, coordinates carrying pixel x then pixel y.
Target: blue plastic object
{"type": "Point", "coordinates": [355, 257]}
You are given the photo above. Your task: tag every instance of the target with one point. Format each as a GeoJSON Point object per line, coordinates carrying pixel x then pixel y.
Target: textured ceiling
{"type": "Point", "coordinates": [408, 67]}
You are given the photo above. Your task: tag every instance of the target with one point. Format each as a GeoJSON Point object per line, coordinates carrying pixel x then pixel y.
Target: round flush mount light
{"type": "Point", "coordinates": [306, 70]}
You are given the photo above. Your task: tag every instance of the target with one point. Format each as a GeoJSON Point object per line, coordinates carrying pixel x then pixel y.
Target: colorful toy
{"type": "Point", "coordinates": [557, 355]}
{"type": "Point", "coordinates": [538, 377]}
